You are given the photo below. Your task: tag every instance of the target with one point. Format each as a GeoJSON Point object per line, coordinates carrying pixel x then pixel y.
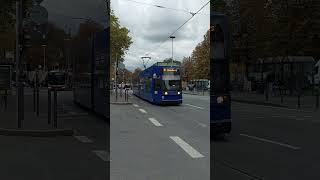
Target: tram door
{"type": "Point", "coordinates": [220, 99]}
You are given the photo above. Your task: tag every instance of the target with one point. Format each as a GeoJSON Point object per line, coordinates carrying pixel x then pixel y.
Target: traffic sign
{"type": "Point", "coordinates": [39, 14]}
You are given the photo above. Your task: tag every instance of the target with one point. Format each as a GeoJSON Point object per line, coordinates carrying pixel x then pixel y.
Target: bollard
{"type": "Point", "coordinates": [34, 99]}
{"type": "Point", "coordinates": [6, 100]}
{"type": "Point", "coordinates": [37, 101]}
{"type": "Point", "coordinates": [49, 106]}
{"type": "Point", "coordinates": [55, 111]}
{"type": "Point", "coordinates": [299, 101]}
{"type": "Point", "coordinates": [317, 100]}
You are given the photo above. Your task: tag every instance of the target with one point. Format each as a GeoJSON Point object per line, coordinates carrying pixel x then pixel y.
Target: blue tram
{"type": "Point", "coordinates": [91, 75]}
{"type": "Point", "coordinates": [160, 84]}
{"type": "Point", "coordinates": [220, 98]}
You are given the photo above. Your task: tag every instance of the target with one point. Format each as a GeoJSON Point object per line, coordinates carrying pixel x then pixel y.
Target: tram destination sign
{"type": "Point", "coordinates": [5, 77]}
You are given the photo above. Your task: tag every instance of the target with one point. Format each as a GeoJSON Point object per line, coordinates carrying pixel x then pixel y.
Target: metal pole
{"type": "Point", "coordinates": [172, 53]}
{"type": "Point", "coordinates": [115, 78]}
{"type": "Point", "coordinates": [18, 60]}
{"type": "Point", "coordinates": [55, 108]}
{"type": "Point", "coordinates": [317, 100]}
{"type": "Point", "coordinates": [49, 106]}
{"type": "Point", "coordinates": [44, 58]}
{"type": "Point", "coordinates": [37, 92]}
{"type": "Point", "coordinates": [6, 100]}
{"type": "Point", "coordinates": [34, 97]}
{"type": "Point", "coordinates": [37, 101]}
{"type": "Point", "coordinates": [299, 101]}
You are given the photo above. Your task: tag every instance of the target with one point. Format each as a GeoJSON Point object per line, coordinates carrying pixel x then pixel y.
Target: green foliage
{"type": "Point", "coordinates": [169, 60]}
{"type": "Point", "coordinates": [198, 65]}
{"type": "Point", "coordinates": [119, 39]}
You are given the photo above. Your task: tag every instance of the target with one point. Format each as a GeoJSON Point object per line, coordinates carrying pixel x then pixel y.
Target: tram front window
{"type": "Point", "coordinates": [172, 85]}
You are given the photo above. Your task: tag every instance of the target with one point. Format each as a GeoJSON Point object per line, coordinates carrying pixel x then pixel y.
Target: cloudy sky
{"type": "Point", "coordinates": [62, 12]}
{"type": "Point", "coordinates": [151, 26]}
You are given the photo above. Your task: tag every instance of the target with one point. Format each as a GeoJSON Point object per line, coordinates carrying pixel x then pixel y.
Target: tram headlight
{"type": "Point", "coordinates": [165, 93]}
{"type": "Point", "coordinates": [220, 100]}
{"type": "Point", "coordinates": [179, 92]}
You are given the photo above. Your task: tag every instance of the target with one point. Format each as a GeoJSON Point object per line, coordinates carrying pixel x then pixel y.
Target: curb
{"type": "Point", "coordinates": [259, 103]}
{"type": "Point", "coordinates": [37, 133]}
{"type": "Point", "coordinates": [121, 103]}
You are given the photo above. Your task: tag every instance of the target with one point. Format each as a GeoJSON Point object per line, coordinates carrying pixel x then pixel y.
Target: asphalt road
{"type": "Point", "coordinates": [268, 143]}
{"type": "Point", "coordinates": [161, 142]}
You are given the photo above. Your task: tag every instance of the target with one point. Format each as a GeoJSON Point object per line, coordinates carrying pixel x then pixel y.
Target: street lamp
{"type": "Point", "coordinates": [172, 37]}
{"type": "Point", "coordinates": [144, 64]}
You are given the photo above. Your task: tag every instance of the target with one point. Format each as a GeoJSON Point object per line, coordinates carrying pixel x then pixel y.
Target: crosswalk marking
{"type": "Point", "coordinates": [83, 139]}
{"type": "Point", "coordinates": [155, 122]}
{"type": "Point", "coordinates": [104, 155]}
{"type": "Point", "coordinates": [186, 147]}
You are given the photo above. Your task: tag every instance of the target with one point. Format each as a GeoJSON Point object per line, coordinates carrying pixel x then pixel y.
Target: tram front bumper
{"type": "Point", "coordinates": [220, 127]}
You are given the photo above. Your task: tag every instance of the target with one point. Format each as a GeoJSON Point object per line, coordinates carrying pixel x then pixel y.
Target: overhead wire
{"type": "Point", "coordinates": [181, 10]}
{"type": "Point", "coordinates": [180, 27]}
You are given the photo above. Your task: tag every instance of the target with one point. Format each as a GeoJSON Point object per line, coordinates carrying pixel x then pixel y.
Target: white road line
{"type": "Point", "coordinates": [83, 139]}
{"type": "Point", "coordinates": [143, 111]}
{"type": "Point", "coordinates": [155, 122]}
{"type": "Point", "coordinates": [136, 105]}
{"type": "Point", "coordinates": [201, 124]}
{"type": "Point", "coordinates": [270, 141]}
{"type": "Point", "coordinates": [186, 147]}
{"type": "Point", "coordinates": [102, 154]}
{"type": "Point", "coordinates": [194, 106]}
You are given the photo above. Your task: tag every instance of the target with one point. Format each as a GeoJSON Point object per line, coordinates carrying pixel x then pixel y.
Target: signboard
{"type": "Point", "coordinates": [5, 77]}
{"type": "Point", "coordinates": [39, 15]}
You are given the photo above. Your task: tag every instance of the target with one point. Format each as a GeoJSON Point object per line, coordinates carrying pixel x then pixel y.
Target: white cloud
{"type": "Point", "coordinates": [150, 27]}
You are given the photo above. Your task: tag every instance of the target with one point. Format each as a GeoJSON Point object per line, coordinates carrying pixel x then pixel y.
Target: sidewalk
{"type": "Point", "coordinates": [200, 93]}
{"type": "Point", "coordinates": [306, 102]}
{"type": "Point", "coordinates": [32, 123]}
{"type": "Point", "coordinates": [120, 99]}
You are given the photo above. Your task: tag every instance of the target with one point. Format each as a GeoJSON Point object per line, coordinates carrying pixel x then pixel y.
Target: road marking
{"type": "Point", "coordinates": [136, 105]}
{"type": "Point", "coordinates": [104, 155]}
{"type": "Point", "coordinates": [270, 141]}
{"type": "Point", "coordinates": [83, 139]}
{"type": "Point", "coordinates": [155, 122]}
{"type": "Point", "coordinates": [143, 111]}
{"type": "Point", "coordinates": [203, 125]}
{"type": "Point", "coordinates": [186, 147]}
{"type": "Point", "coordinates": [194, 106]}
{"type": "Point", "coordinates": [299, 119]}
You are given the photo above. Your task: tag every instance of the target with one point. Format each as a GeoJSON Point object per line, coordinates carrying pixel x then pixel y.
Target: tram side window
{"type": "Point", "coordinates": [148, 84]}
{"type": "Point", "coordinates": [157, 84]}
{"type": "Point", "coordinates": [220, 78]}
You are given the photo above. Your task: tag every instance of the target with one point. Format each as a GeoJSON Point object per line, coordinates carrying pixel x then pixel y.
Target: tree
{"type": "Point", "coordinates": [119, 39]}
{"type": "Point", "coordinates": [198, 65]}
{"type": "Point", "coordinates": [169, 60]}
{"type": "Point", "coordinates": [135, 75]}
